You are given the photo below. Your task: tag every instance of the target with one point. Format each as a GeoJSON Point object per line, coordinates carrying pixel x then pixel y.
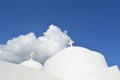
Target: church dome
{"type": "Point", "coordinates": [74, 60]}
{"type": "Point", "coordinates": [32, 63]}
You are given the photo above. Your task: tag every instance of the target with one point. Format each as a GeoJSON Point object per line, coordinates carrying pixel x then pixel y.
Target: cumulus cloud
{"type": "Point", "coordinates": [19, 48]}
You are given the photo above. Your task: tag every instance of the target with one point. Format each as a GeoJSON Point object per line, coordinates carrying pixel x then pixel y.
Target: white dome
{"type": "Point", "coordinates": [33, 64]}
{"type": "Point", "coordinates": [74, 60]}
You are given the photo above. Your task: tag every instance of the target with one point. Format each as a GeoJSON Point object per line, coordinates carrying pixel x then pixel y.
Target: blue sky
{"type": "Point", "coordinates": [90, 23]}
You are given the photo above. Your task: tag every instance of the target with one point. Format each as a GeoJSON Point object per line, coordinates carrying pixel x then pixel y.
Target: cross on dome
{"type": "Point", "coordinates": [70, 43]}
{"type": "Point", "coordinates": [32, 63]}
{"type": "Point", "coordinates": [31, 55]}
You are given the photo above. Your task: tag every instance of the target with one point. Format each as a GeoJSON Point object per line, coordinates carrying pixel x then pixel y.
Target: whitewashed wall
{"type": "Point", "coordinates": [10, 71]}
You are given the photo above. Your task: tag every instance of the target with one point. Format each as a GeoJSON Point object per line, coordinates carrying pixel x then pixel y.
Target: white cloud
{"type": "Point", "coordinates": [19, 48]}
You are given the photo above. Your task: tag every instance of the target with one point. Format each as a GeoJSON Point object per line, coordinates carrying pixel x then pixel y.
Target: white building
{"type": "Point", "coordinates": [78, 63]}
{"type": "Point", "coordinates": [73, 63]}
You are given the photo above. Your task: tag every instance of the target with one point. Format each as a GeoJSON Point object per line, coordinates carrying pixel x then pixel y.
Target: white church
{"type": "Point", "coordinates": [72, 63]}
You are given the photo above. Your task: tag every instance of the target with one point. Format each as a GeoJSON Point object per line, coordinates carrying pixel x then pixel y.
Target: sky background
{"type": "Point", "coordinates": [90, 23]}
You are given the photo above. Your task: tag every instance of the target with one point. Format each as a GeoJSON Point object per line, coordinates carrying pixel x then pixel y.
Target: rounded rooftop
{"type": "Point", "coordinates": [74, 60]}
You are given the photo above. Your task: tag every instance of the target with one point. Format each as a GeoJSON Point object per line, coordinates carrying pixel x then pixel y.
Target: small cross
{"type": "Point", "coordinates": [70, 43]}
{"type": "Point", "coordinates": [31, 55]}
